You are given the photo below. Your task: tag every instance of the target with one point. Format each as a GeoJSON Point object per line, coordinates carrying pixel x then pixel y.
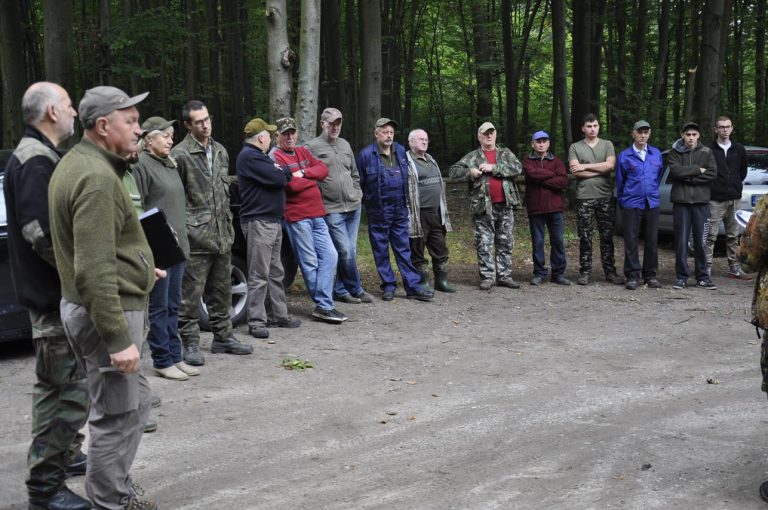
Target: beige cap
{"type": "Point", "coordinates": [485, 126]}
{"type": "Point", "coordinates": [330, 115]}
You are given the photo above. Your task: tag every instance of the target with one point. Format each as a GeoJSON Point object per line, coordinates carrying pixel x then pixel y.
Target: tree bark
{"type": "Point", "coordinates": [559, 77]}
{"type": "Point", "coordinates": [482, 53]}
{"type": "Point", "coordinates": [215, 104]}
{"type": "Point", "coordinates": [709, 75]}
{"type": "Point", "coordinates": [280, 60]}
{"type": "Point", "coordinates": [309, 69]}
{"type": "Point", "coordinates": [333, 67]}
{"type": "Point", "coordinates": [761, 123]}
{"type": "Point", "coordinates": [659, 92]}
{"type": "Point", "coordinates": [234, 71]}
{"type": "Point", "coordinates": [370, 89]}
{"type": "Point", "coordinates": [12, 71]}
{"type": "Point", "coordinates": [352, 128]}
{"type": "Point", "coordinates": [57, 27]}
{"type": "Point", "coordinates": [192, 50]}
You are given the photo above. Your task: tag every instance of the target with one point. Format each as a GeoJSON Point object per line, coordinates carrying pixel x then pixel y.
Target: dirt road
{"type": "Point", "coordinates": [550, 397]}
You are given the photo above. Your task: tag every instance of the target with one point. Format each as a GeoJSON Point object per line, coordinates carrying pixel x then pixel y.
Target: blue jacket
{"type": "Point", "coordinates": [372, 170]}
{"type": "Point", "coordinates": [637, 181]}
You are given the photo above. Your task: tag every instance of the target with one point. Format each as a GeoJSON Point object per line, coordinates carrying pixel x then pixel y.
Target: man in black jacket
{"type": "Point", "coordinates": [725, 195]}
{"type": "Point", "coordinates": [60, 396]}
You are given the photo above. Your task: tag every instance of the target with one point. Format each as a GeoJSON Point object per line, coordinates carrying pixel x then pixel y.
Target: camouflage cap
{"type": "Point", "coordinates": [385, 121]}
{"type": "Point", "coordinates": [285, 124]}
{"type": "Point", "coordinates": [103, 100]}
{"type": "Point", "coordinates": [256, 126]}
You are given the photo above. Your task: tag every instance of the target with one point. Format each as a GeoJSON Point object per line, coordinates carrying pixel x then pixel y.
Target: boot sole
{"type": "Point", "coordinates": [228, 350]}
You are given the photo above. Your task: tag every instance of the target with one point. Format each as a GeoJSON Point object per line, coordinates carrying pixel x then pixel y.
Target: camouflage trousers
{"type": "Point", "coordinates": [494, 234]}
{"type": "Point", "coordinates": [59, 406]}
{"type": "Point", "coordinates": [208, 276]}
{"type": "Point", "coordinates": [603, 212]}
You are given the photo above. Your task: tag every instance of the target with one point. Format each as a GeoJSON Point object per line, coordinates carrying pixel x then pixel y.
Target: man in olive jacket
{"type": "Point", "coordinates": [204, 169]}
{"type": "Point", "coordinates": [489, 172]}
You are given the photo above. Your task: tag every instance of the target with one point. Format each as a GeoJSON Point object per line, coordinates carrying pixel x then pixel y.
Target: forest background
{"type": "Point", "coordinates": [441, 65]}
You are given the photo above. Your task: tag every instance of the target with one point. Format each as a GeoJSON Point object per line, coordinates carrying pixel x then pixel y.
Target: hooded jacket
{"type": "Point", "coordinates": [689, 184]}
{"type": "Point", "coordinates": [731, 172]}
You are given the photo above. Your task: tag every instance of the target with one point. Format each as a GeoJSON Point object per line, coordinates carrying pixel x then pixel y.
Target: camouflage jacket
{"type": "Point", "coordinates": [506, 168]}
{"type": "Point", "coordinates": [753, 256]}
{"type": "Point", "coordinates": [209, 218]}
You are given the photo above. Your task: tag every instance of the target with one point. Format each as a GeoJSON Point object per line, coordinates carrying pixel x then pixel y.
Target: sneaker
{"type": "Point", "coordinates": [537, 280]}
{"type": "Point", "coordinates": [680, 284]}
{"type": "Point", "coordinates": [171, 373]}
{"type": "Point", "coordinates": [139, 504]}
{"type": "Point", "coordinates": [364, 297]}
{"type": "Point", "coordinates": [348, 298]}
{"type": "Point", "coordinates": [486, 284]}
{"type": "Point", "coordinates": [508, 283]}
{"type": "Point", "coordinates": [260, 332]}
{"type": "Point", "coordinates": [736, 273]}
{"type": "Point", "coordinates": [230, 345]}
{"type": "Point", "coordinates": [287, 322]}
{"type": "Point", "coordinates": [653, 283]}
{"type": "Point", "coordinates": [614, 278]}
{"type": "Point", "coordinates": [632, 285]}
{"type": "Point", "coordinates": [706, 284]}
{"type": "Point", "coordinates": [561, 280]}
{"type": "Point", "coordinates": [583, 279]}
{"type": "Point", "coordinates": [193, 356]}
{"type": "Point", "coordinates": [333, 316]}
{"type": "Point", "coordinates": [189, 370]}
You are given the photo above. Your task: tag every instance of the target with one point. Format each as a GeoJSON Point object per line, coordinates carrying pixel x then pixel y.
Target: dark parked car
{"type": "Point", "coordinates": [14, 319]}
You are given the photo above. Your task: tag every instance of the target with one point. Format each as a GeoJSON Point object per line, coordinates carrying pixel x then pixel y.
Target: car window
{"type": "Point", "coordinates": [758, 161]}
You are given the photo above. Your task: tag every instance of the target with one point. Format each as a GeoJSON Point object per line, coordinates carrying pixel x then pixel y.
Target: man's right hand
{"type": "Point", "coordinates": [475, 172]}
{"type": "Point", "coordinates": [126, 361]}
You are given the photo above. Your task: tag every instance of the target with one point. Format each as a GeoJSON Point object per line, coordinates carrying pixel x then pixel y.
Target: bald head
{"type": "Point", "coordinates": [47, 107]}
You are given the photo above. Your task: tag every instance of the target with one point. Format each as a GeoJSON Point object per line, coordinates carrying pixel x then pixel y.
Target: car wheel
{"type": "Point", "coordinates": [239, 309]}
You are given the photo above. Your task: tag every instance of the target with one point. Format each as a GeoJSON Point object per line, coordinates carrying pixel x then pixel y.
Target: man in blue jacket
{"type": "Point", "coordinates": [638, 176]}
{"type": "Point", "coordinates": [383, 168]}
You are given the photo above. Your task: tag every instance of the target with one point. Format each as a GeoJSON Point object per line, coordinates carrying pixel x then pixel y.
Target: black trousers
{"type": "Point", "coordinates": [433, 239]}
{"type": "Point", "coordinates": [687, 218]}
{"type": "Point", "coordinates": [631, 220]}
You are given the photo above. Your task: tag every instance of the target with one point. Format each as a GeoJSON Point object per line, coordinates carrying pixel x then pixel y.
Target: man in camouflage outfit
{"type": "Point", "coordinates": [60, 396]}
{"type": "Point", "coordinates": [489, 171]}
{"type": "Point", "coordinates": [204, 165]}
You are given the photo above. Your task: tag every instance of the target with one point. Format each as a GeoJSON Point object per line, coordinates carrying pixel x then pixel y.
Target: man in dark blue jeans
{"type": "Point", "coordinates": [638, 176]}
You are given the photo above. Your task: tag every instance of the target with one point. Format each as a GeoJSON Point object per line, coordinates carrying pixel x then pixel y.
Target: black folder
{"type": "Point", "coordinates": [162, 239]}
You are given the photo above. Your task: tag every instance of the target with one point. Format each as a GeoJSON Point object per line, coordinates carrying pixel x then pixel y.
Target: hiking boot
{"type": "Point", "coordinates": [193, 356]}
{"type": "Point", "coordinates": [538, 280]}
{"type": "Point", "coordinates": [422, 295]}
{"type": "Point", "coordinates": [653, 283]}
{"type": "Point", "coordinates": [288, 322]}
{"type": "Point", "coordinates": [348, 298]}
{"type": "Point", "coordinates": [139, 504]}
{"type": "Point", "coordinates": [614, 278]}
{"type": "Point", "coordinates": [632, 285]}
{"type": "Point", "coordinates": [508, 283]}
{"type": "Point", "coordinates": [332, 316]}
{"type": "Point", "coordinates": [76, 466]}
{"type": "Point", "coordinates": [441, 282]}
{"type": "Point", "coordinates": [583, 279]}
{"type": "Point", "coordinates": [706, 284]}
{"type": "Point", "coordinates": [388, 295]}
{"type": "Point", "coordinates": [736, 273]}
{"type": "Point", "coordinates": [230, 345]}
{"type": "Point", "coordinates": [486, 284]}
{"type": "Point", "coordinates": [561, 280]}
{"type": "Point", "coordinates": [364, 297]}
{"type": "Point", "coordinates": [260, 332]}
{"type": "Point", "coordinates": [680, 284]}
{"type": "Point", "coordinates": [62, 499]}
{"type": "Point", "coordinates": [187, 369]}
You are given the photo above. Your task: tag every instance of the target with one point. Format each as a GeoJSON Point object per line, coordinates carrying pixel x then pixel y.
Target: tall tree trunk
{"type": "Point", "coordinates": [416, 18]}
{"type": "Point", "coordinates": [482, 53]}
{"type": "Point", "coordinates": [12, 71]}
{"type": "Point", "coordinates": [370, 88]}
{"type": "Point", "coordinates": [215, 103]}
{"type": "Point", "coordinates": [352, 128]}
{"type": "Point", "coordinates": [678, 71]}
{"type": "Point", "coordinates": [280, 59]}
{"type": "Point", "coordinates": [333, 68]}
{"type": "Point", "coordinates": [639, 52]}
{"type": "Point", "coordinates": [234, 71]}
{"type": "Point", "coordinates": [659, 92]}
{"type": "Point", "coordinates": [559, 77]}
{"type": "Point", "coordinates": [57, 27]}
{"type": "Point", "coordinates": [709, 75]}
{"type": "Point", "coordinates": [309, 69]}
{"type": "Point", "coordinates": [471, 65]}
{"type": "Point", "coordinates": [192, 50]}
{"type": "Point", "coordinates": [761, 108]}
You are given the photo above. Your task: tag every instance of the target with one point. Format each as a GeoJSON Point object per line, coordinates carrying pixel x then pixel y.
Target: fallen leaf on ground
{"type": "Point", "coordinates": [296, 364]}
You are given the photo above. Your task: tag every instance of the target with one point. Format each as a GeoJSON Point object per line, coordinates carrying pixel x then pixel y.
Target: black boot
{"type": "Point", "coordinates": [424, 274]}
{"type": "Point", "coordinates": [441, 281]}
{"type": "Point", "coordinates": [63, 499]}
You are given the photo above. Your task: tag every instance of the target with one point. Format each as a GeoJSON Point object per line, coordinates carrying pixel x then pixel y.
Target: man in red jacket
{"type": "Point", "coordinates": [545, 180]}
{"type": "Point", "coordinates": [304, 220]}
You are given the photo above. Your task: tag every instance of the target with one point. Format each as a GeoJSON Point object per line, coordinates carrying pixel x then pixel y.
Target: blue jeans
{"type": "Point", "coordinates": [317, 258]}
{"type": "Point", "coordinates": [554, 223]}
{"type": "Point", "coordinates": [343, 228]}
{"type": "Point", "coordinates": [163, 337]}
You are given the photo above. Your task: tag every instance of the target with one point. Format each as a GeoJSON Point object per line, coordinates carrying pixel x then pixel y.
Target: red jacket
{"type": "Point", "coordinates": [303, 199]}
{"type": "Point", "coordinates": [545, 180]}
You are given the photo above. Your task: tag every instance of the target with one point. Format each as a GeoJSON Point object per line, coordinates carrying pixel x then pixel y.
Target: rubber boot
{"type": "Point", "coordinates": [441, 282]}
{"type": "Point", "coordinates": [424, 273]}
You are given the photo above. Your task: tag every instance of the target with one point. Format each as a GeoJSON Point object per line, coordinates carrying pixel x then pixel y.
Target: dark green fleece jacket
{"type": "Point", "coordinates": [102, 256]}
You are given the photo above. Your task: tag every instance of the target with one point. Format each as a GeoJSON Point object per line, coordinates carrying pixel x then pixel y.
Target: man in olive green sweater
{"type": "Point", "coordinates": [106, 270]}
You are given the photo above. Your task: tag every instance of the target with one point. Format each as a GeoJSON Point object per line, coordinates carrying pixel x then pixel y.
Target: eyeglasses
{"type": "Point", "coordinates": [724, 127]}
{"type": "Point", "coordinates": [202, 122]}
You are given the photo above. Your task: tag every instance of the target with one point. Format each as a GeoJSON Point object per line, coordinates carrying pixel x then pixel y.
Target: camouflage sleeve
{"type": "Point", "coordinates": [507, 165]}
{"type": "Point", "coordinates": [459, 171]}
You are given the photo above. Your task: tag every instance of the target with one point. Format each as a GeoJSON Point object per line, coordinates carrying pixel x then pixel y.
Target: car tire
{"type": "Point", "coordinates": [239, 309]}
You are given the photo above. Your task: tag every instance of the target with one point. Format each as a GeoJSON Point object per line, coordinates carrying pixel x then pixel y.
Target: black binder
{"type": "Point", "coordinates": [162, 239]}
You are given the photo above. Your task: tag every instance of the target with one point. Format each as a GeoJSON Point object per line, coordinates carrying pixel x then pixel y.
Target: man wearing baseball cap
{"type": "Point", "coordinates": [341, 197]}
{"type": "Point", "coordinates": [489, 172]}
{"type": "Point", "coordinates": [106, 271]}
{"type": "Point", "coordinates": [638, 177]}
{"type": "Point", "coordinates": [383, 167]}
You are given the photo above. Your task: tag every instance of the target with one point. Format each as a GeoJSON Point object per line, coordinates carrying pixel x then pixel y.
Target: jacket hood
{"type": "Point", "coordinates": [679, 146]}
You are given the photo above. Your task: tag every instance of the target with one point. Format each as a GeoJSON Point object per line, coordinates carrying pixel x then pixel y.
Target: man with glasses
{"type": "Point", "coordinates": [725, 195]}
{"type": "Point", "coordinates": [203, 166]}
